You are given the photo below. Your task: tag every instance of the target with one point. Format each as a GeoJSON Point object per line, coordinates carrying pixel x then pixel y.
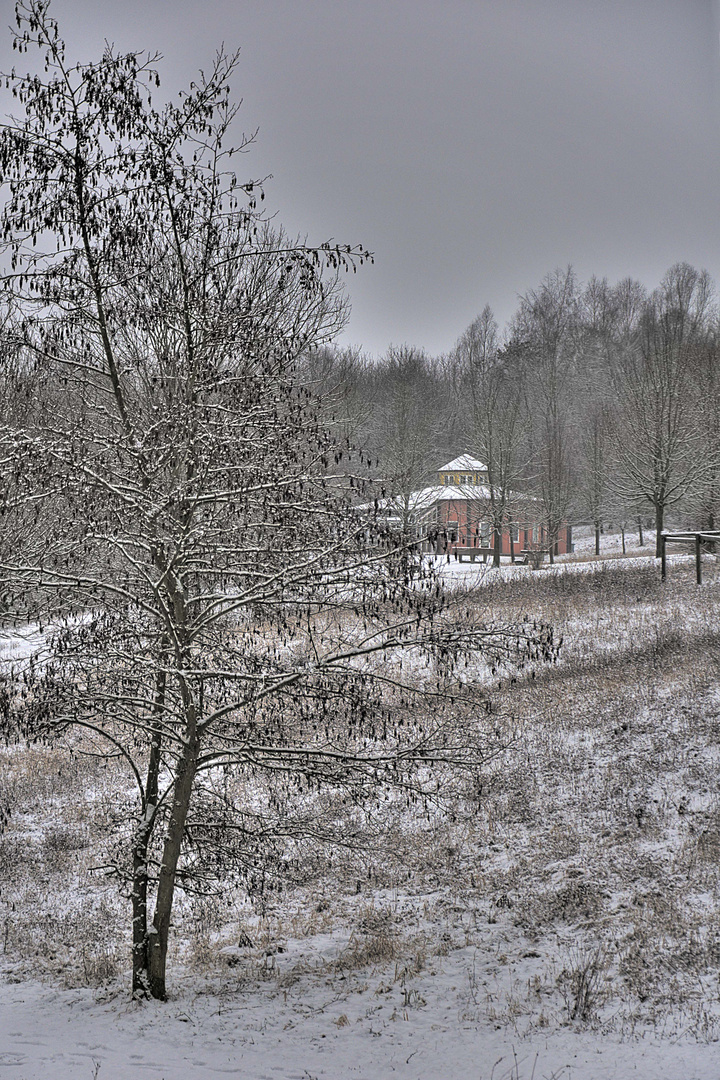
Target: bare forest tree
{"type": "Point", "coordinates": [211, 601]}
{"type": "Point", "coordinates": [492, 405]}
{"type": "Point", "coordinates": [594, 479]}
{"type": "Point", "coordinates": [593, 406]}
{"type": "Point", "coordinates": [406, 416]}
{"type": "Point", "coordinates": [663, 457]}
{"type": "Point", "coordinates": [341, 378]}
{"type": "Point", "coordinates": [708, 386]}
{"type": "Point", "coordinates": [547, 324]}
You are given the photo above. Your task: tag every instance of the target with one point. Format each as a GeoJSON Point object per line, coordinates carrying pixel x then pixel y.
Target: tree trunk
{"type": "Point", "coordinates": [160, 929]}
{"type": "Point", "coordinates": [141, 844]}
{"type": "Point", "coordinates": [140, 988]}
{"type": "Point", "coordinates": [659, 519]}
{"type": "Point", "coordinates": [622, 533]}
{"type": "Point", "coordinates": [641, 538]}
{"type": "Point", "coordinates": [597, 537]}
{"type": "Point", "coordinates": [497, 546]}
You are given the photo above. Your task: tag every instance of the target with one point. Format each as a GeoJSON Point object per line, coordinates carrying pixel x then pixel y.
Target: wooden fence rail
{"type": "Point", "coordinates": [696, 538]}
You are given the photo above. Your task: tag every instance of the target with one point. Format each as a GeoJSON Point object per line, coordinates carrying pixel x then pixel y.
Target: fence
{"type": "Point", "coordinates": [698, 538]}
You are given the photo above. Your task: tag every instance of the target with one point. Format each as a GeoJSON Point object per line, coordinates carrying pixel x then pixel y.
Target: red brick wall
{"type": "Point", "coordinates": [466, 518]}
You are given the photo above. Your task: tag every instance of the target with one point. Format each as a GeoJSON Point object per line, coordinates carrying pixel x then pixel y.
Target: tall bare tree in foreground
{"type": "Point", "coordinates": [708, 388]}
{"type": "Point", "coordinates": [217, 616]}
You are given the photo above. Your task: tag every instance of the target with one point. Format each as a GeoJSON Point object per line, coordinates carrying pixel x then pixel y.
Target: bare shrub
{"type": "Point", "coordinates": [582, 982]}
{"type": "Point", "coordinates": [15, 854]}
{"type": "Point", "coordinates": [203, 919]}
{"type": "Point", "coordinates": [638, 967]}
{"type": "Point", "coordinates": [101, 963]}
{"type": "Point", "coordinates": [704, 843]}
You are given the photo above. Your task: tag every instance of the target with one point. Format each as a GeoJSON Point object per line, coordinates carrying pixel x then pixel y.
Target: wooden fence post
{"type": "Point", "coordinates": [698, 562]}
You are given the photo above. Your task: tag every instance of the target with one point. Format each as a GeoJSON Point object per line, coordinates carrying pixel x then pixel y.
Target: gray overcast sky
{"type": "Point", "coordinates": [473, 145]}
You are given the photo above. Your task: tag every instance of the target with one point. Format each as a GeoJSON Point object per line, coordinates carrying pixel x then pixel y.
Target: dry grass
{"type": "Point", "coordinates": [591, 849]}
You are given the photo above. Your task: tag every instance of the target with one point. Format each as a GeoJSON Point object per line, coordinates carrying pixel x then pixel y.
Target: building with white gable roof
{"type": "Point", "coordinates": [453, 515]}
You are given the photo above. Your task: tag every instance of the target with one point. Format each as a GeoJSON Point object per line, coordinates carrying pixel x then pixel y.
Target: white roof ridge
{"type": "Point", "coordinates": [464, 463]}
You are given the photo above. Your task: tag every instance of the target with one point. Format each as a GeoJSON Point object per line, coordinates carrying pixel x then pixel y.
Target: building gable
{"type": "Point", "coordinates": [463, 470]}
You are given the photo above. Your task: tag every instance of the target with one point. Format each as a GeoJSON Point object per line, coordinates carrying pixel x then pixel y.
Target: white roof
{"type": "Point", "coordinates": [427, 497]}
{"type": "Point", "coordinates": [419, 502]}
{"type": "Point", "coordinates": [456, 492]}
{"type": "Point", "coordinates": [464, 463]}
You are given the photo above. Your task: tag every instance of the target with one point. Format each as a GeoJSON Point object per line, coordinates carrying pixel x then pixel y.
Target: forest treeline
{"type": "Point", "coordinates": [602, 401]}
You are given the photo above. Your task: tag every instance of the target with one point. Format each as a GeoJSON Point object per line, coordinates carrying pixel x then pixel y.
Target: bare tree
{"type": "Point", "coordinates": [492, 403]}
{"type": "Point", "coordinates": [212, 602]}
{"type": "Point", "coordinates": [547, 324]}
{"type": "Point", "coordinates": [662, 456]}
{"type": "Point", "coordinates": [594, 479]}
{"type": "Point", "coordinates": [707, 377]}
{"type": "Point", "coordinates": [593, 407]}
{"type": "Point", "coordinates": [406, 421]}
{"type": "Point", "coordinates": [342, 379]}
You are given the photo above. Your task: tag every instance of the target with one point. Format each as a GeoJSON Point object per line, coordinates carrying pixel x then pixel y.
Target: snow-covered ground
{"type": "Point", "coordinates": [565, 924]}
{"type": "Point", "coordinates": [370, 1027]}
{"type": "Point", "coordinates": [21, 642]}
{"type": "Point", "coordinates": [582, 561]}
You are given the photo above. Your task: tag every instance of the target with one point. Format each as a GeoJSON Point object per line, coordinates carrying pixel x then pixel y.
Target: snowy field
{"type": "Point", "coordinates": [583, 559]}
{"type": "Point", "coordinates": [326, 1030]}
{"type": "Point", "coordinates": [563, 921]}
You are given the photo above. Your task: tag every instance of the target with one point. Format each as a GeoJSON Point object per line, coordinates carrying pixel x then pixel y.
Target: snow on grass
{"type": "Point", "coordinates": [20, 643]}
{"type": "Point", "coordinates": [562, 919]}
{"type": "Point", "coordinates": [370, 1029]}
{"type": "Point", "coordinates": [583, 560]}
